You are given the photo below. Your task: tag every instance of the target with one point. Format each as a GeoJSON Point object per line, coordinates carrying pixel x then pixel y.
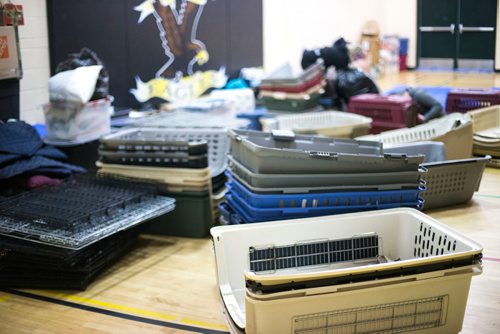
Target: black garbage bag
{"type": "Point", "coordinates": [351, 82]}
{"type": "Point", "coordinates": [337, 56]}
{"type": "Point", "coordinates": [87, 57]}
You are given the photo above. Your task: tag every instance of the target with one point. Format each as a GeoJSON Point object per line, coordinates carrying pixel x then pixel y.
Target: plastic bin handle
{"type": "Point", "coordinates": [283, 135]}
{"type": "Point", "coordinates": [323, 155]}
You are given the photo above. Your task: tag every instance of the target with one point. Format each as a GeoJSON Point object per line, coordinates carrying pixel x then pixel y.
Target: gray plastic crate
{"type": "Point", "coordinates": [433, 151]}
{"type": "Point", "coordinates": [218, 143]}
{"type": "Point", "coordinates": [449, 182]}
{"type": "Point", "coordinates": [452, 182]}
{"type": "Point", "coordinates": [284, 152]}
{"type": "Point", "coordinates": [319, 182]}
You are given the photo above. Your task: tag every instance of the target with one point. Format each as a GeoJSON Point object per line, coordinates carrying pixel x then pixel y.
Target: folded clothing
{"type": "Point", "coordinates": [22, 152]}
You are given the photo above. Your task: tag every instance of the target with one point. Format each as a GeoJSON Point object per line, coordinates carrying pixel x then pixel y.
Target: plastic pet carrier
{"type": "Point", "coordinates": [188, 120]}
{"type": "Point", "coordinates": [192, 217]}
{"type": "Point", "coordinates": [293, 183]}
{"type": "Point", "coordinates": [154, 159]}
{"type": "Point", "coordinates": [387, 271]}
{"type": "Point", "coordinates": [291, 105]}
{"type": "Point", "coordinates": [448, 182]}
{"type": "Point", "coordinates": [463, 99]}
{"type": "Point", "coordinates": [195, 141]}
{"type": "Point", "coordinates": [387, 112]}
{"type": "Point", "coordinates": [322, 199]}
{"type": "Point", "coordinates": [299, 87]}
{"type": "Point", "coordinates": [153, 140]}
{"type": "Point", "coordinates": [327, 123]}
{"type": "Point", "coordinates": [285, 76]}
{"type": "Point", "coordinates": [285, 152]}
{"type": "Point", "coordinates": [79, 212]}
{"type": "Point", "coordinates": [454, 130]}
{"type": "Point", "coordinates": [180, 177]}
{"type": "Point", "coordinates": [341, 204]}
{"type": "Point", "coordinates": [486, 127]}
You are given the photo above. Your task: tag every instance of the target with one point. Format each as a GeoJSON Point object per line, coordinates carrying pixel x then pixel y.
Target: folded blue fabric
{"type": "Point", "coordinates": [38, 165]}
{"type": "Point", "coordinates": [19, 138]}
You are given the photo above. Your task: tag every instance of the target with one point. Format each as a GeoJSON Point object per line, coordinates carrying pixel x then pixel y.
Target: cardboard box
{"type": "Point", "coordinates": [371, 45]}
{"type": "Point", "coordinates": [9, 56]}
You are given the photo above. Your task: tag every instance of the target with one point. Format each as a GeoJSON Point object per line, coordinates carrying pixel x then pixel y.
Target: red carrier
{"type": "Point", "coordinates": [387, 112]}
{"type": "Point", "coordinates": [463, 100]}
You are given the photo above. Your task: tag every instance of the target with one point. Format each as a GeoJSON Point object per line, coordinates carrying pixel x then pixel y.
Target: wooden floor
{"type": "Point", "coordinates": [168, 285]}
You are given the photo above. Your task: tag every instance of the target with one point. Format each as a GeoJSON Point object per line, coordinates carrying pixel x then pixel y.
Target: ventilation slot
{"type": "Point", "coordinates": [307, 254]}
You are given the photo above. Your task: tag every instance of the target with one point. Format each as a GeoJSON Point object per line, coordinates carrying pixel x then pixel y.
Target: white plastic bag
{"type": "Point", "coordinates": [76, 85]}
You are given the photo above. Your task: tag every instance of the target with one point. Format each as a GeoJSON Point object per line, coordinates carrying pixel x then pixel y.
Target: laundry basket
{"type": "Point", "coordinates": [388, 271]}
{"type": "Point", "coordinates": [327, 123]}
{"type": "Point", "coordinates": [454, 130]}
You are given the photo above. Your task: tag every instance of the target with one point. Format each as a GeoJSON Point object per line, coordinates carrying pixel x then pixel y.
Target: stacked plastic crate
{"type": "Point", "coordinates": [280, 175]}
{"type": "Point", "coordinates": [283, 91]}
{"type": "Point", "coordinates": [387, 112]}
{"type": "Point", "coordinates": [486, 137]}
{"type": "Point", "coordinates": [62, 237]}
{"type": "Point", "coordinates": [187, 164]}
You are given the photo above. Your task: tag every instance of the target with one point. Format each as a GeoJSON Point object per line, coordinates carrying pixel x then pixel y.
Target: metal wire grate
{"type": "Point", "coordinates": [384, 318]}
{"type": "Point", "coordinates": [313, 253]}
{"type": "Point", "coordinates": [79, 212]}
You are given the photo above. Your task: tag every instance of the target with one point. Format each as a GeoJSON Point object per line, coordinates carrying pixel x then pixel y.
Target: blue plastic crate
{"type": "Point", "coordinates": [228, 216]}
{"type": "Point", "coordinates": [250, 214]}
{"type": "Point", "coordinates": [327, 199]}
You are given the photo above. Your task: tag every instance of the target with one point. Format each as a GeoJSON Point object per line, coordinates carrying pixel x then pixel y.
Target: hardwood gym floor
{"type": "Point", "coordinates": [168, 285]}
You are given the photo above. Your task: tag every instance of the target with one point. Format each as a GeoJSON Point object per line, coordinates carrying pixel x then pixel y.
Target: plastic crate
{"type": "Point", "coordinates": [454, 130]}
{"type": "Point", "coordinates": [486, 127]}
{"type": "Point", "coordinates": [293, 183]}
{"type": "Point", "coordinates": [449, 182]}
{"type": "Point", "coordinates": [285, 76]}
{"type": "Point", "coordinates": [325, 267]}
{"type": "Point", "coordinates": [433, 151]}
{"type": "Point", "coordinates": [285, 152]}
{"type": "Point", "coordinates": [251, 214]}
{"type": "Point", "coordinates": [452, 182]}
{"type": "Point", "coordinates": [463, 100]}
{"type": "Point", "coordinates": [394, 111]}
{"type": "Point", "coordinates": [323, 199]}
{"type": "Point", "coordinates": [154, 159]}
{"type": "Point", "coordinates": [188, 120]}
{"type": "Point", "coordinates": [193, 177]}
{"type": "Point", "coordinates": [192, 217]}
{"type": "Point", "coordinates": [495, 163]}
{"type": "Point", "coordinates": [153, 140]}
{"type": "Point", "coordinates": [328, 123]}
{"type": "Point", "coordinates": [77, 123]}
{"type": "Point", "coordinates": [216, 139]}
{"type": "Point", "coordinates": [317, 79]}
{"type": "Point", "coordinates": [291, 105]}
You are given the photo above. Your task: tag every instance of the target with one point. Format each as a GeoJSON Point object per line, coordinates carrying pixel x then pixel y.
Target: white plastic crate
{"type": "Point", "coordinates": [454, 130]}
{"type": "Point", "coordinates": [327, 123]}
{"type": "Point", "coordinates": [309, 280]}
{"type": "Point", "coordinates": [71, 122]}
